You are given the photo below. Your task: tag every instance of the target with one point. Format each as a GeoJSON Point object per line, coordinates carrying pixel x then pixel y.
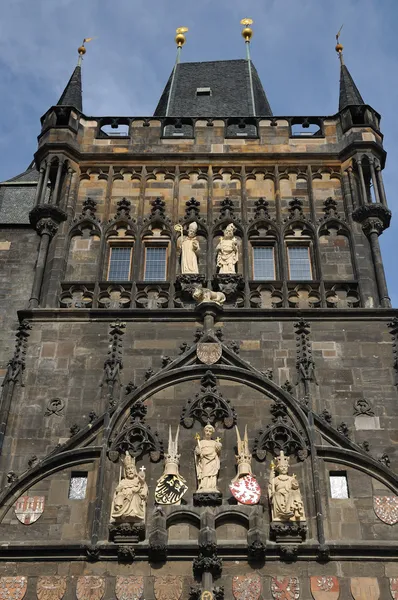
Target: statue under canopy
{"type": "Point", "coordinates": [207, 460]}
{"type": "Point", "coordinates": [227, 251]}
{"type": "Point", "coordinates": [131, 494]}
{"type": "Point", "coordinates": [188, 246]}
{"type": "Point", "coordinates": [284, 493]}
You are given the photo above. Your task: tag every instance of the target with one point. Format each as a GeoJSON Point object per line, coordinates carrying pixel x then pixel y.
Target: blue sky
{"type": "Point", "coordinates": [126, 67]}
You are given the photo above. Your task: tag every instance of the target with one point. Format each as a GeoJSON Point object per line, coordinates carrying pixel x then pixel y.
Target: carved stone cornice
{"type": "Point", "coordinates": [374, 218]}
{"type": "Point", "coordinates": [46, 218]}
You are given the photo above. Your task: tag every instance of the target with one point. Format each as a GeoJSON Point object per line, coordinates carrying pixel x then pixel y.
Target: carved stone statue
{"type": "Point", "coordinates": [188, 246]}
{"type": "Point", "coordinates": [207, 460]}
{"type": "Point", "coordinates": [284, 493]}
{"type": "Point", "coordinates": [244, 457]}
{"type": "Point", "coordinates": [171, 486]}
{"type": "Point", "coordinates": [201, 294]}
{"type": "Point", "coordinates": [131, 494]}
{"type": "Point", "coordinates": [227, 251]}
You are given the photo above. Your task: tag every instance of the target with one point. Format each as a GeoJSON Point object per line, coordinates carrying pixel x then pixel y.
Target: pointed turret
{"type": "Point", "coordinates": [349, 93]}
{"type": "Point", "coordinates": [72, 94]}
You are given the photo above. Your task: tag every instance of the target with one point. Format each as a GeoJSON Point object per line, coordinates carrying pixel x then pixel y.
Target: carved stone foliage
{"type": "Point", "coordinates": [266, 296]}
{"type": "Point", "coordinates": [45, 218]}
{"type": "Point", "coordinates": [330, 209]}
{"type": "Point", "coordinates": [280, 435]}
{"type": "Point", "coordinates": [296, 210]}
{"type": "Point", "coordinates": [167, 587]}
{"type": "Point", "coordinates": [208, 405]}
{"type": "Point", "coordinates": [152, 297]}
{"type": "Point", "coordinates": [123, 209]}
{"type": "Point", "coordinates": [261, 207]}
{"type": "Point", "coordinates": [55, 406]}
{"type": "Point", "coordinates": [90, 587]}
{"type": "Point", "coordinates": [227, 209]}
{"type": "Point", "coordinates": [363, 407]}
{"type": "Point", "coordinates": [192, 208]}
{"type": "Point", "coordinates": [246, 587]}
{"type": "Point", "coordinates": [304, 363]}
{"type": "Point", "coordinates": [187, 282]}
{"type": "Point", "coordinates": [386, 508]}
{"type": "Point", "coordinates": [77, 296]}
{"type": "Point", "coordinates": [373, 217]}
{"type": "Point", "coordinates": [114, 362]}
{"type": "Point", "coordinates": [114, 297]}
{"type": "Point", "coordinates": [286, 588]}
{"type": "Point", "coordinates": [343, 296]}
{"type": "Point", "coordinates": [325, 587]}
{"type": "Point", "coordinates": [51, 588]}
{"type": "Point", "coordinates": [13, 588]}
{"type": "Point", "coordinates": [129, 588]}
{"type": "Point", "coordinates": [393, 326]}
{"type": "Point", "coordinates": [89, 209]}
{"type": "Point", "coordinates": [288, 531]}
{"type": "Point", "coordinates": [137, 438]}
{"type": "Point", "coordinates": [16, 366]}
{"type": "Point", "coordinates": [229, 284]}
{"type": "Point", "coordinates": [209, 564]}
{"type": "Point", "coordinates": [304, 296]}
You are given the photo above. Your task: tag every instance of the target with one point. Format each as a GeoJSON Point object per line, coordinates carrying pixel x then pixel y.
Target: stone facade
{"type": "Point", "coordinates": [100, 365]}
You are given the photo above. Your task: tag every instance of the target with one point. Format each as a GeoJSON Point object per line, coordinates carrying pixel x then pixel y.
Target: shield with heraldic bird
{"type": "Point", "coordinates": [51, 587]}
{"type": "Point", "coordinates": [209, 352]}
{"type": "Point", "coordinates": [386, 508]}
{"type": "Point", "coordinates": [29, 508]}
{"type": "Point", "coordinates": [129, 588]}
{"type": "Point", "coordinates": [168, 587]}
{"type": "Point", "coordinates": [246, 490]}
{"type": "Point", "coordinates": [365, 588]}
{"type": "Point", "coordinates": [246, 587]}
{"type": "Point", "coordinates": [13, 588]}
{"type": "Point", "coordinates": [285, 588]}
{"type": "Point", "coordinates": [394, 587]}
{"type": "Point", "coordinates": [90, 587]}
{"type": "Point", "coordinates": [325, 588]}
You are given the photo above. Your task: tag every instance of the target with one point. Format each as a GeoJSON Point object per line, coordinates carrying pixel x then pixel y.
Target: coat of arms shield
{"type": "Point", "coordinates": [246, 490]}
{"type": "Point", "coordinates": [386, 508]}
{"type": "Point", "coordinates": [129, 588]}
{"type": "Point", "coordinates": [13, 588]}
{"type": "Point", "coordinates": [285, 588]}
{"type": "Point", "coordinates": [168, 587]}
{"type": "Point", "coordinates": [208, 352]}
{"type": "Point", "coordinates": [29, 508]}
{"type": "Point", "coordinates": [246, 587]}
{"type": "Point", "coordinates": [365, 587]}
{"type": "Point", "coordinates": [90, 587]}
{"type": "Point", "coordinates": [170, 489]}
{"type": "Point", "coordinates": [325, 588]}
{"type": "Point", "coordinates": [394, 587]}
{"type": "Point", "coordinates": [51, 587]}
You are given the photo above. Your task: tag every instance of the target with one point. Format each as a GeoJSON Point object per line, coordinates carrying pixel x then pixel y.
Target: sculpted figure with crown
{"type": "Point", "coordinates": [131, 494]}
{"type": "Point", "coordinates": [284, 493]}
{"type": "Point", "coordinates": [189, 248]}
{"type": "Point", "coordinates": [227, 251]}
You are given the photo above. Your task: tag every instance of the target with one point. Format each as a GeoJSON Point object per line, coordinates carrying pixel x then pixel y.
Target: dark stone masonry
{"type": "Point", "coordinates": [103, 348]}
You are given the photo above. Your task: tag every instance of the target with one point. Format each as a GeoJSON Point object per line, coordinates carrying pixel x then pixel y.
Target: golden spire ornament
{"type": "Point", "coordinates": [247, 31]}
{"type": "Point", "coordinates": [180, 40]}
{"type": "Point", "coordinates": [339, 47]}
{"type": "Point", "coordinates": [82, 49]}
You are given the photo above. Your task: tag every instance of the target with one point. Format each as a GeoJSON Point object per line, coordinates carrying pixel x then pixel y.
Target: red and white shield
{"type": "Point", "coordinates": [325, 588]}
{"type": "Point", "coordinates": [246, 587]}
{"type": "Point", "coordinates": [129, 588]}
{"type": "Point", "coordinates": [394, 587]}
{"type": "Point", "coordinates": [13, 588]}
{"type": "Point", "coordinates": [29, 508]}
{"type": "Point", "coordinates": [246, 490]}
{"type": "Point", "coordinates": [365, 588]}
{"type": "Point", "coordinates": [386, 508]}
{"type": "Point", "coordinates": [285, 588]}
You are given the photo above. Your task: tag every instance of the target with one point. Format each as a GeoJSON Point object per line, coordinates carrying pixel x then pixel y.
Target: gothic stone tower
{"type": "Point", "coordinates": [107, 341]}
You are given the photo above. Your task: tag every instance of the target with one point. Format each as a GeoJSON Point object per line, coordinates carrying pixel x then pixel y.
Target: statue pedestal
{"type": "Point", "coordinates": [288, 531]}
{"type": "Point", "coordinates": [127, 533]}
{"type": "Point", "coordinates": [207, 499]}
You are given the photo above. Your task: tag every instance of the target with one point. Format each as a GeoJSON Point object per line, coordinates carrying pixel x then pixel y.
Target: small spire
{"type": "Point", "coordinates": [180, 40]}
{"type": "Point", "coordinates": [82, 50]}
{"type": "Point", "coordinates": [349, 93]}
{"type": "Point", "coordinates": [340, 47]}
{"type": "Point", "coordinates": [72, 94]}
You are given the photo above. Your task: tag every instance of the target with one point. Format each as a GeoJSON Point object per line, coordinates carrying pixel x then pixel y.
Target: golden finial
{"type": "Point", "coordinates": [339, 47]}
{"type": "Point", "coordinates": [180, 37]}
{"type": "Point", "coordinates": [272, 465]}
{"type": "Point", "coordinates": [247, 31]}
{"type": "Point", "coordinates": [82, 49]}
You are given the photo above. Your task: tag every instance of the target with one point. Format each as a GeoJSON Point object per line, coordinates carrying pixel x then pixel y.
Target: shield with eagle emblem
{"type": "Point", "coordinates": [246, 490]}
{"type": "Point", "coordinates": [129, 588]}
{"type": "Point", "coordinates": [90, 587]}
{"type": "Point", "coordinates": [168, 587]}
{"type": "Point", "coordinates": [51, 587]}
{"type": "Point", "coordinates": [170, 489]}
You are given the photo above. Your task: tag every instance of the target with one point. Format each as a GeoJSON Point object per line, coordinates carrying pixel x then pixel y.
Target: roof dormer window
{"type": "Point", "coordinates": [203, 91]}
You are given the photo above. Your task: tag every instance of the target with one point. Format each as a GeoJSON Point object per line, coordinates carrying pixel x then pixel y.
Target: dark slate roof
{"type": "Point", "coordinates": [16, 201]}
{"type": "Point", "coordinates": [229, 81]}
{"type": "Point", "coordinates": [72, 94]}
{"type": "Point", "coordinates": [349, 93]}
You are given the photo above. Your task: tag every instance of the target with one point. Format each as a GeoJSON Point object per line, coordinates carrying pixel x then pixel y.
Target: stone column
{"type": "Point", "coordinates": [43, 191]}
{"type": "Point", "coordinates": [57, 182]}
{"type": "Point", "coordinates": [382, 191]}
{"type": "Point", "coordinates": [374, 180]}
{"type": "Point", "coordinates": [363, 185]}
{"type": "Point", "coordinates": [45, 219]}
{"type": "Point", "coordinates": [375, 218]}
{"type": "Point", "coordinates": [39, 185]}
